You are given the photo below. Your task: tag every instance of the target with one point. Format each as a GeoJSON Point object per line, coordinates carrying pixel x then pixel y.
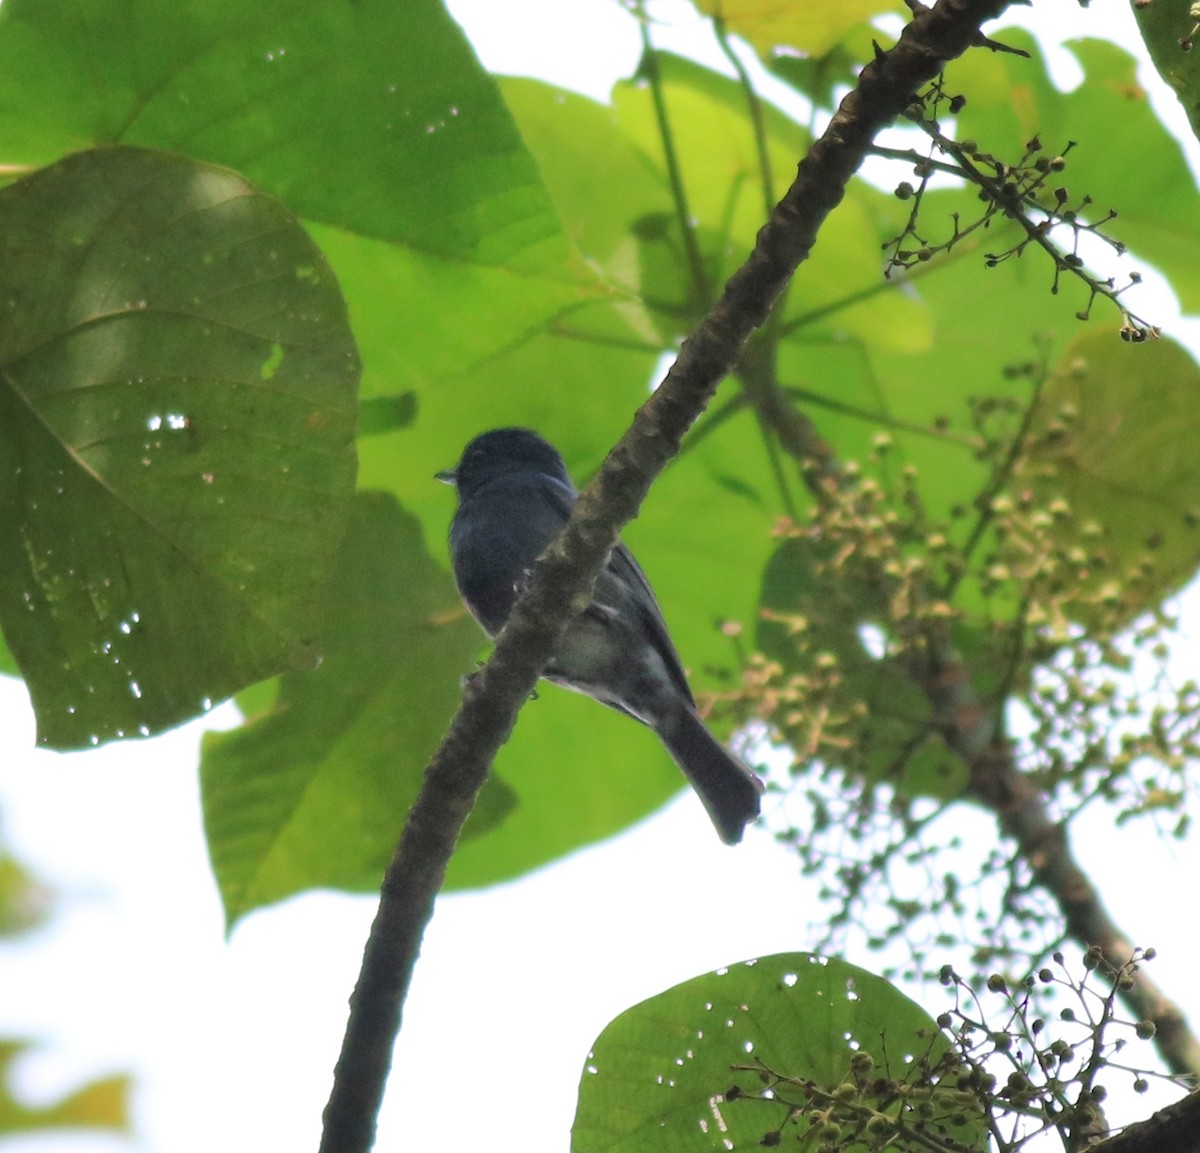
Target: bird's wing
{"type": "Point", "coordinates": [624, 587]}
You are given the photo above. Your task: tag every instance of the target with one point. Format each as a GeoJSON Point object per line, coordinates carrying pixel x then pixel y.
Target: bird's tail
{"type": "Point", "coordinates": [730, 791]}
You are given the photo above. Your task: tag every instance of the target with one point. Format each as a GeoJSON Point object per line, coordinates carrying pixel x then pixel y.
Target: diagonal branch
{"type": "Point", "coordinates": [1173, 1129]}
{"type": "Point", "coordinates": [995, 781]}
{"type": "Point", "coordinates": [562, 582]}
{"type": "Point", "coordinates": [1020, 808]}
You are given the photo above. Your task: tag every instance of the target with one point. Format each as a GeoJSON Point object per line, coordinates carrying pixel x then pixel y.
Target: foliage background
{"type": "Point", "coordinates": [743, 883]}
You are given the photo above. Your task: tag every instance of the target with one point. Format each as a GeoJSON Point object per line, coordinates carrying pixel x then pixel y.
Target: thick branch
{"type": "Point", "coordinates": [562, 582]}
{"type": "Point", "coordinates": [1174, 1129]}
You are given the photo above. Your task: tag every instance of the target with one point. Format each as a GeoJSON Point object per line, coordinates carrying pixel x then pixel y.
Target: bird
{"type": "Point", "coordinates": [515, 497]}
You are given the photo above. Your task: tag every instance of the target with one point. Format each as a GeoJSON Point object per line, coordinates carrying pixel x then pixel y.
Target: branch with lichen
{"type": "Point", "coordinates": [562, 581]}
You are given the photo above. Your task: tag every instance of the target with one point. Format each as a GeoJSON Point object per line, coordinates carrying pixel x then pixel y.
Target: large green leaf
{"type": "Point", "coordinates": [680, 1073]}
{"type": "Point", "coordinates": [177, 408]}
{"type": "Point", "coordinates": [403, 105]}
{"type": "Point", "coordinates": [313, 791]}
{"type": "Point", "coordinates": [374, 119]}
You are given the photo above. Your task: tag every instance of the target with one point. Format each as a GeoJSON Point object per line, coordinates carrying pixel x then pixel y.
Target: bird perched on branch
{"type": "Point", "coordinates": [514, 498]}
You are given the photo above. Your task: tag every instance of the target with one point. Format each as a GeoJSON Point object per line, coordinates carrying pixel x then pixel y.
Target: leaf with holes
{"type": "Point", "coordinates": [769, 1052]}
{"type": "Point", "coordinates": [177, 410]}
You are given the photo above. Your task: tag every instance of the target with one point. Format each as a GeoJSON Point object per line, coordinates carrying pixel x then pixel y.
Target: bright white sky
{"type": "Point", "coordinates": [232, 1043]}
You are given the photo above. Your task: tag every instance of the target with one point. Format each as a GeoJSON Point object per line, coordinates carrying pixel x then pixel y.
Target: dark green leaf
{"type": "Point", "coordinates": [1170, 34]}
{"type": "Point", "coordinates": [177, 405]}
{"type": "Point", "coordinates": [661, 1078]}
{"type": "Point", "coordinates": [386, 413]}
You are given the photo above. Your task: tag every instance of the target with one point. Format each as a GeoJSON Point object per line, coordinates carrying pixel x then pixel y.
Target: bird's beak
{"type": "Point", "coordinates": [446, 476]}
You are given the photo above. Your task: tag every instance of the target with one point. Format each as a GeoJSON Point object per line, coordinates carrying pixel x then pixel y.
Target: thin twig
{"type": "Point", "coordinates": [701, 292]}
{"type": "Point", "coordinates": [1000, 478]}
{"type": "Point", "coordinates": [754, 107]}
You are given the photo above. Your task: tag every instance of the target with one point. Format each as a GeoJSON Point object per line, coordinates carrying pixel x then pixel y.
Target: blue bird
{"type": "Point", "coordinates": [514, 497]}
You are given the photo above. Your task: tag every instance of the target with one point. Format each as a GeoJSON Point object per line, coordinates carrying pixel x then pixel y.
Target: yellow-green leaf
{"type": "Point", "coordinates": [811, 27]}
